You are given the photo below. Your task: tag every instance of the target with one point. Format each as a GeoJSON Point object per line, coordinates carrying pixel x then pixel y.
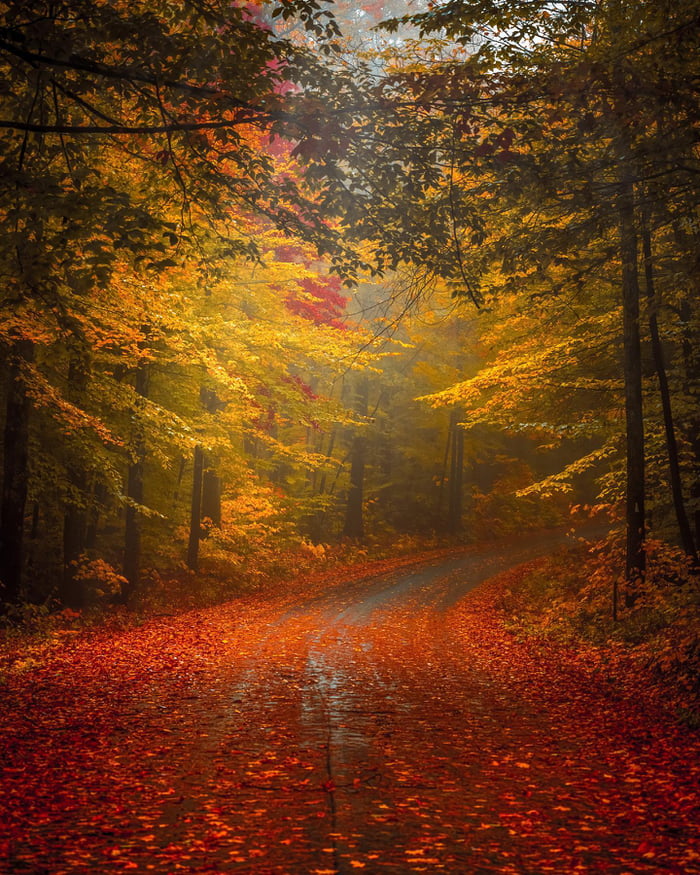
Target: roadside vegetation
{"type": "Point", "coordinates": [567, 600]}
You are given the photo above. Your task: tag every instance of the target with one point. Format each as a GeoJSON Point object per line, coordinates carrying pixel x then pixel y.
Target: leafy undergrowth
{"type": "Point", "coordinates": [654, 641]}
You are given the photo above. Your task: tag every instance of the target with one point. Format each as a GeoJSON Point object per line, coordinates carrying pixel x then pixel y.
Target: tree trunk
{"type": "Point", "coordinates": [211, 482]}
{"type": "Point", "coordinates": [196, 512]}
{"type": "Point", "coordinates": [635, 492]}
{"type": "Point", "coordinates": [178, 484]}
{"type": "Point", "coordinates": [99, 498]}
{"type": "Point", "coordinates": [684, 528]}
{"type": "Point", "coordinates": [329, 456]}
{"type": "Point", "coordinates": [135, 492]}
{"type": "Point", "coordinates": [454, 515]}
{"type": "Point", "coordinates": [354, 521]}
{"type": "Point", "coordinates": [692, 428]}
{"type": "Point", "coordinates": [445, 460]}
{"type": "Point", "coordinates": [206, 486]}
{"type": "Point", "coordinates": [72, 590]}
{"type": "Point", "coordinates": [15, 473]}
{"type": "Point", "coordinates": [211, 494]}
{"type": "Point", "coordinates": [33, 536]}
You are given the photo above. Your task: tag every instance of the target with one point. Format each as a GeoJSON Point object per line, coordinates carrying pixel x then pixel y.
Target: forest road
{"type": "Point", "coordinates": [389, 725]}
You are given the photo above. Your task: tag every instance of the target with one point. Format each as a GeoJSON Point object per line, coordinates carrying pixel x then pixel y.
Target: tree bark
{"type": "Point", "coordinates": [178, 484]}
{"type": "Point", "coordinates": [72, 591]}
{"type": "Point", "coordinates": [354, 519]}
{"type": "Point", "coordinates": [454, 515]}
{"type": "Point", "coordinates": [196, 510]}
{"type": "Point", "coordinates": [15, 472]}
{"type": "Point", "coordinates": [206, 486]}
{"type": "Point", "coordinates": [329, 456]}
{"type": "Point", "coordinates": [211, 494]}
{"type": "Point", "coordinates": [692, 428]}
{"type": "Point", "coordinates": [99, 498]}
{"type": "Point", "coordinates": [684, 527]}
{"type": "Point", "coordinates": [135, 492]}
{"type": "Point", "coordinates": [635, 565]}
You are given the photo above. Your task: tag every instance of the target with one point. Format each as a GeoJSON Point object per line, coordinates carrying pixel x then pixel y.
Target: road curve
{"type": "Point", "coordinates": [391, 725]}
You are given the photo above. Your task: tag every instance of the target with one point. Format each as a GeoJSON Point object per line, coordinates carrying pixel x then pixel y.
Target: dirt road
{"type": "Point", "coordinates": [390, 725]}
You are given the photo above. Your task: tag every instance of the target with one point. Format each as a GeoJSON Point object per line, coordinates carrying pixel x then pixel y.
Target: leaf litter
{"type": "Point", "coordinates": [417, 735]}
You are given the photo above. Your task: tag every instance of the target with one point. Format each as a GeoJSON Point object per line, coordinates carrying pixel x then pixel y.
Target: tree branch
{"type": "Point", "coordinates": [174, 127]}
{"type": "Point", "coordinates": [75, 62]}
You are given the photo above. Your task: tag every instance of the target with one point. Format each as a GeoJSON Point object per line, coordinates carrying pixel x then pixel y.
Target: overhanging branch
{"type": "Point", "coordinates": [174, 127]}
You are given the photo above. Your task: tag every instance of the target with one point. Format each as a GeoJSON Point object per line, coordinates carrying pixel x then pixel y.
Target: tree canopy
{"type": "Point", "coordinates": [266, 285]}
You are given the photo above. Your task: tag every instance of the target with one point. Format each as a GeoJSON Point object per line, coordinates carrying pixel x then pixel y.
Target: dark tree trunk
{"type": "Point", "coordinates": [99, 498]}
{"type": "Point", "coordinates": [329, 456]}
{"type": "Point", "coordinates": [33, 535]}
{"type": "Point", "coordinates": [211, 494]}
{"type": "Point", "coordinates": [211, 482]}
{"type": "Point", "coordinates": [354, 520]}
{"type": "Point", "coordinates": [135, 491]}
{"type": "Point", "coordinates": [317, 525]}
{"type": "Point", "coordinates": [454, 513]}
{"type": "Point", "coordinates": [691, 359]}
{"type": "Point", "coordinates": [445, 461]}
{"type": "Point", "coordinates": [196, 511]}
{"type": "Point", "coordinates": [180, 475]}
{"type": "Point", "coordinates": [36, 513]}
{"type": "Point", "coordinates": [684, 528]}
{"type": "Point", "coordinates": [632, 359]}
{"type": "Point", "coordinates": [15, 473]}
{"type": "Point", "coordinates": [72, 590]}
{"type": "Point", "coordinates": [132, 529]}
{"type": "Point", "coordinates": [206, 486]}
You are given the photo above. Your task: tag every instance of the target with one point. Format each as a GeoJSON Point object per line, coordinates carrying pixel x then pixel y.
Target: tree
{"type": "Point", "coordinates": [354, 513]}
{"type": "Point", "coordinates": [530, 143]}
{"type": "Point", "coordinates": [15, 470]}
{"type": "Point", "coordinates": [133, 147]}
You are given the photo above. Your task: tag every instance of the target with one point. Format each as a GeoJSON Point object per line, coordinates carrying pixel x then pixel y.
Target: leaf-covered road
{"type": "Point", "coordinates": [389, 725]}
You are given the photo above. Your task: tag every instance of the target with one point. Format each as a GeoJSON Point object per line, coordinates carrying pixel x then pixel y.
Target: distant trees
{"type": "Point", "coordinates": [527, 149]}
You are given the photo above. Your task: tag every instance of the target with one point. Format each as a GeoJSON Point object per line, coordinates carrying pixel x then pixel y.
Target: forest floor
{"type": "Point", "coordinates": [385, 724]}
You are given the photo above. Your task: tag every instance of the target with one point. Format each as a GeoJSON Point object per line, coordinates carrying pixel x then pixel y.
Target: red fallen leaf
{"type": "Point", "coordinates": [646, 849]}
{"type": "Point", "coordinates": [328, 786]}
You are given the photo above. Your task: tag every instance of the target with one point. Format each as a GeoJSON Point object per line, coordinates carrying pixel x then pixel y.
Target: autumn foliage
{"type": "Point", "coordinates": [291, 286]}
